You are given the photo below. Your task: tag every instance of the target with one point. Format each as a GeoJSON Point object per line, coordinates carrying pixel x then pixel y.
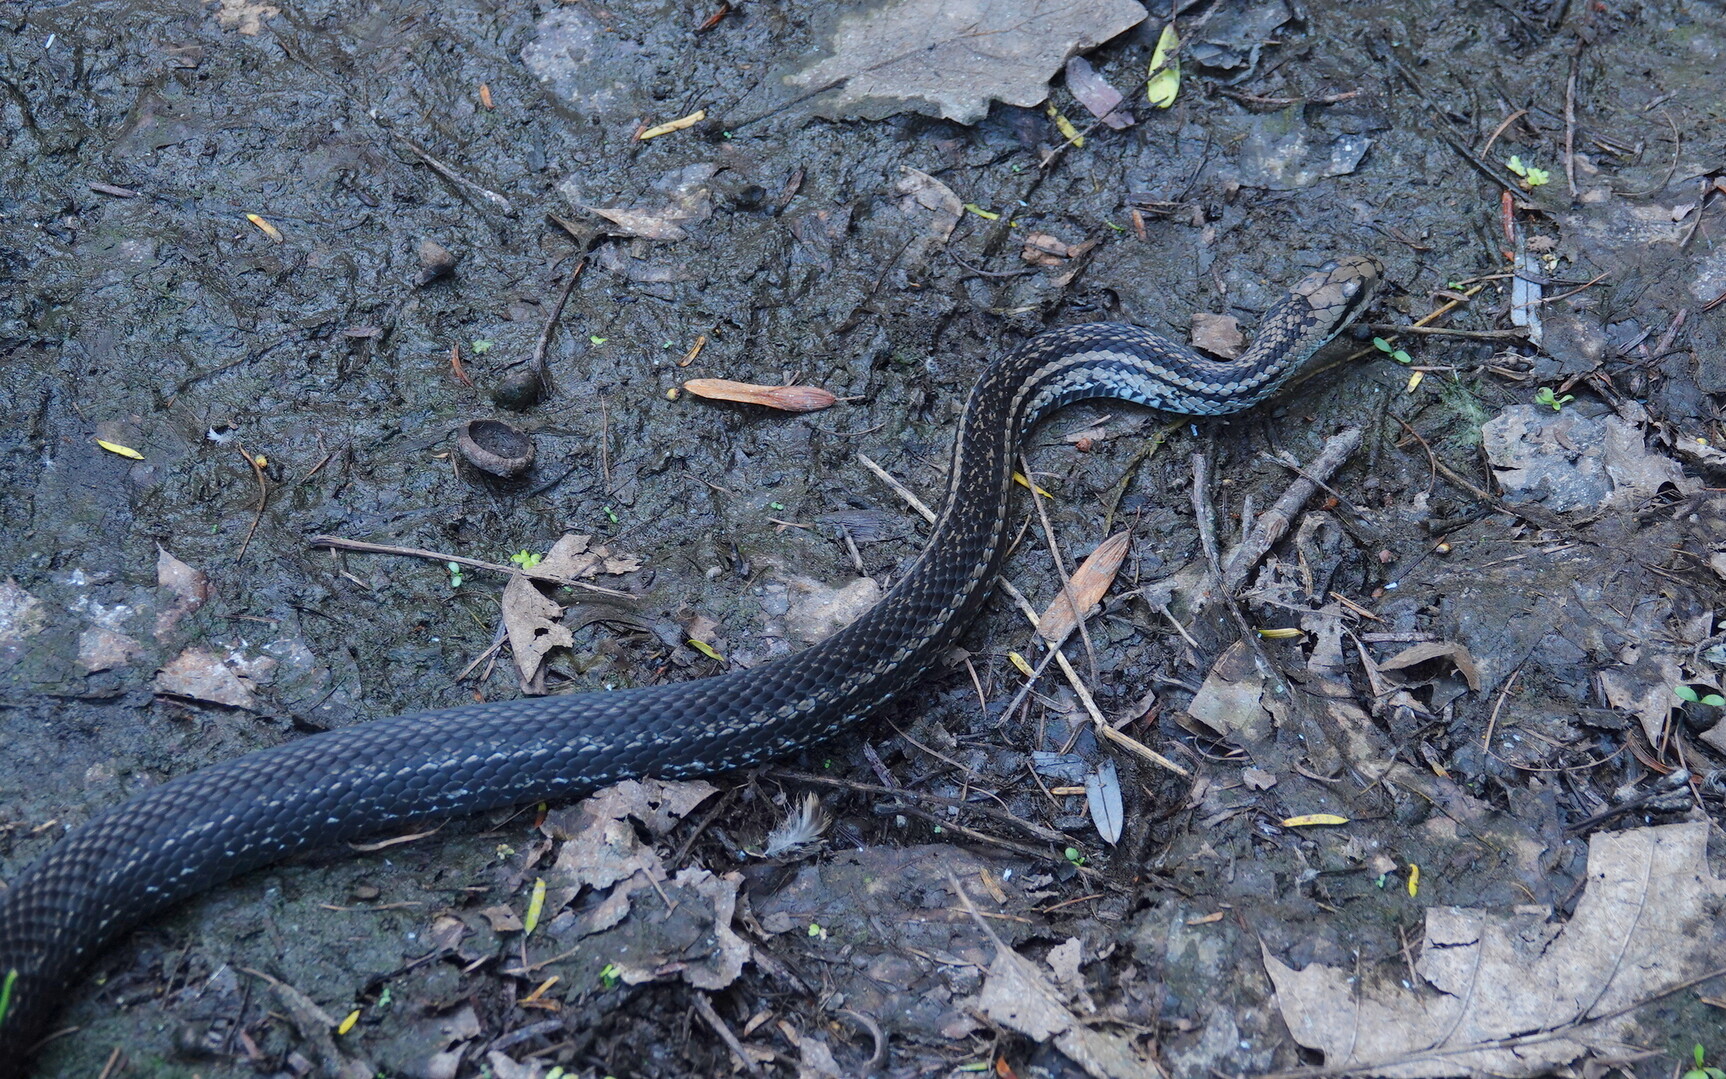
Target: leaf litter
{"type": "Point", "coordinates": [1513, 993]}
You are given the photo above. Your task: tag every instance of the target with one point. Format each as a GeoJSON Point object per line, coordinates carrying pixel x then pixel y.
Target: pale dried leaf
{"type": "Point", "coordinates": [246, 16]}
{"type": "Point", "coordinates": [1220, 335]}
{"type": "Point", "coordinates": [1454, 654]}
{"type": "Point", "coordinates": [532, 622]}
{"type": "Point", "coordinates": [1102, 100]}
{"type": "Point", "coordinates": [1645, 924]}
{"type": "Point", "coordinates": [1089, 584]}
{"type": "Point", "coordinates": [951, 57]}
{"type": "Point", "coordinates": [1103, 799]}
{"type": "Point", "coordinates": [203, 676]}
{"type": "Point", "coordinates": [921, 192]}
{"type": "Point", "coordinates": [1231, 700]}
{"type": "Point", "coordinates": [784, 398]}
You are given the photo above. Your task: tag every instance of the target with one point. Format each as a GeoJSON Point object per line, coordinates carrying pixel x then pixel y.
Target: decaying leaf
{"type": "Point", "coordinates": [1043, 249]}
{"type": "Point", "coordinates": [246, 16]}
{"type": "Point", "coordinates": [1103, 100]}
{"type": "Point", "coordinates": [784, 398]}
{"type": "Point", "coordinates": [921, 193]}
{"type": "Point", "coordinates": [1516, 994]}
{"type": "Point", "coordinates": [686, 198]}
{"type": "Point", "coordinates": [531, 618]}
{"type": "Point", "coordinates": [1447, 652]}
{"type": "Point", "coordinates": [949, 58]}
{"type": "Point", "coordinates": [1089, 584]}
{"type": "Point", "coordinates": [203, 676]}
{"type": "Point", "coordinates": [1220, 335]}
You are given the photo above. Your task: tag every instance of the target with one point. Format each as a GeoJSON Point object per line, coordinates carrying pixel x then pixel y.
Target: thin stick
{"type": "Point", "coordinates": [340, 544]}
{"type": "Point", "coordinates": [544, 342]}
{"type": "Point", "coordinates": [1274, 522]}
{"type": "Point", "coordinates": [263, 500]}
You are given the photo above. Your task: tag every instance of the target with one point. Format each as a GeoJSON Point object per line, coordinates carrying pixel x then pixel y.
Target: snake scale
{"type": "Point", "coordinates": [199, 830]}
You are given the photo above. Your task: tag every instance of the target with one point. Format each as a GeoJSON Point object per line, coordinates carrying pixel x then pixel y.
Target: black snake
{"type": "Point", "coordinates": [204, 828]}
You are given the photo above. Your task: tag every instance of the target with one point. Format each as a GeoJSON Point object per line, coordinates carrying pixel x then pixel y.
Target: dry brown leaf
{"type": "Point", "coordinates": [1089, 584]}
{"type": "Point", "coordinates": [1103, 100]}
{"type": "Point", "coordinates": [784, 398]}
{"type": "Point", "coordinates": [203, 676]}
{"type": "Point", "coordinates": [1220, 335]}
{"type": "Point", "coordinates": [1645, 924]}
{"type": "Point", "coordinates": [922, 192]}
{"type": "Point", "coordinates": [532, 622]}
{"type": "Point", "coordinates": [1454, 654]}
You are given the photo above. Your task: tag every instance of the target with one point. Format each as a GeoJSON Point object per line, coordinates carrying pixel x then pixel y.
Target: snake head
{"type": "Point", "coordinates": [1340, 290]}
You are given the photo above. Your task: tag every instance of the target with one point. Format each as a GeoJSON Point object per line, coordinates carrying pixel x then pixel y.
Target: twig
{"type": "Point", "coordinates": [340, 544]}
{"type": "Point", "coordinates": [263, 500]}
{"type": "Point", "coordinates": [898, 488]}
{"type": "Point", "coordinates": [1273, 522]}
{"type": "Point", "coordinates": [1060, 568]}
{"type": "Point", "coordinates": [544, 343]}
{"type": "Point", "coordinates": [456, 178]}
{"type": "Point", "coordinates": [704, 1008]}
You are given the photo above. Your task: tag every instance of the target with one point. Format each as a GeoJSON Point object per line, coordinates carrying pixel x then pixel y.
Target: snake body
{"type": "Point", "coordinates": [199, 830]}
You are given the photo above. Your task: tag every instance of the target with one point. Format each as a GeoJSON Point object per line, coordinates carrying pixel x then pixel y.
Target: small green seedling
{"type": "Point", "coordinates": [1702, 1070]}
{"type": "Point", "coordinates": [455, 577]}
{"type": "Point", "coordinates": [1688, 693]}
{"type": "Point", "coordinates": [526, 559]}
{"type": "Point", "coordinates": [1391, 350]}
{"type": "Point", "coordinates": [1545, 396]}
{"type": "Point", "coordinates": [610, 975]}
{"type": "Point", "coordinates": [1074, 856]}
{"type": "Point", "coordinates": [1531, 176]}
{"type": "Point", "coordinates": [480, 348]}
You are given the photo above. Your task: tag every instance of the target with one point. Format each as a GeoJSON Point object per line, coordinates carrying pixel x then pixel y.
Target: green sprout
{"type": "Point", "coordinates": [1531, 176]}
{"type": "Point", "coordinates": [455, 577]}
{"type": "Point", "coordinates": [597, 340]}
{"type": "Point", "coordinates": [1701, 1070]}
{"type": "Point", "coordinates": [1074, 856]}
{"type": "Point", "coordinates": [526, 559]}
{"type": "Point", "coordinates": [1545, 396]}
{"type": "Point", "coordinates": [480, 348]}
{"type": "Point", "coordinates": [1688, 693]}
{"type": "Point", "coordinates": [1391, 350]}
{"type": "Point", "coordinates": [610, 975]}
{"type": "Point", "coordinates": [610, 513]}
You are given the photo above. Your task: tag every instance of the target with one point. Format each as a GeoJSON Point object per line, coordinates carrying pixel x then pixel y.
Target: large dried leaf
{"type": "Point", "coordinates": [1645, 925]}
{"type": "Point", "coordinates": [1089, 583]}
{"type": "Point", "coordinates": [950, 58]}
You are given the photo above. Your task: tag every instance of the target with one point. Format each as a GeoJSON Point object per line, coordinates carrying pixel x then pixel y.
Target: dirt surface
{"type": "Point", "coordinates": [1556, 559]}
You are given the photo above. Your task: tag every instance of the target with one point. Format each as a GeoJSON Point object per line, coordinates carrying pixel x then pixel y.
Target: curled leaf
{"type": "Point", "coordinates": [123, 451]}
{"type": "Point", "coordinates": [1090, 582]}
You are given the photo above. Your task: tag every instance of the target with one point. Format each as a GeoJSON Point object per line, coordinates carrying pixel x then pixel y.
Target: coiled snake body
{"type": "Point", "coordinates": [204, 828]}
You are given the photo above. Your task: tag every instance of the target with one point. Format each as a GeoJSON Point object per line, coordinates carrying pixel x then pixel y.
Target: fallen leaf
{"type": "Point", "coordinates": [1102, 100]}
{"type": "Point", "coordinates": [203, 676]}
{"type": "Point", "coordinates": [687, 198]}
{"type": "Point", "coordinates": [1454, 654]}
{"type": "Point", "coordinates": [817, 612]}
{"type": "Point", "coordinates": [1163, 82]}
{"type": "Point", "coordinates": [949, 58]}
{"type": "Point", "coordinates": [123, 451]}
{"type": "Point", "coordinates": [673, 125]}
{"type": "Point", "coordinates": [921, 192]}
{"type": "Point", "coordinates": [183, 591]}
{"type": "Point", "coordinates": [1220, 335]}
{"type": "Point", "coordinates": [532, 623]}
{"type": "Point", "coordinates": [246, 16]}
{"type": "Point", "coordinates": [1517, 994]}
{"type": "Point", "coordinates": [1088, 585]}
{"type": "Point", "coordinates": [784, 398]}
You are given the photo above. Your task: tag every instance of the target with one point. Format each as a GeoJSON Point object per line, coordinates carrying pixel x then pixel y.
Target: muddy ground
{"type": "Point", "coordinates": [1557, 555]}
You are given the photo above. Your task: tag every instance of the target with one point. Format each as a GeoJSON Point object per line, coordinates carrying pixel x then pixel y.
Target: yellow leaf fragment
{"type": "Point", "coordinates": [535, 906]}
{"type": "Point", "coordinates": [1019, 478]}
{"type": "Point", "coordinates": [269, 230]}
{"type": "Point", "coordinates": [1281, 633]}
{"type": "Point", "coordinates": [1089, 583]}
{"type": "Point", "coordinates": [1306, 820]}
{"type": "Point", "coordinates": [706, 649]}
{"type": "Point", "coordinates": [1066, 128]}
{"type": "Point", "coordinates": [673, 125]}
{"type": "Point", "coordinates": [123, 451]}
{"type": "Point", "coordinates": [784, 398]}
{"type": "Point", "coordinates": [348, 1024]}
{"type": "Point", "coordinates": [1414, 381]}
{"type": "Point", "coordinates": [1413, 879]}
{"type": "Point", "coordinates": [1021, 665]}
{"type": "Point", "coordinates": [1164, 81]}
{"type": "Point", "coordinates": [987, 215]}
